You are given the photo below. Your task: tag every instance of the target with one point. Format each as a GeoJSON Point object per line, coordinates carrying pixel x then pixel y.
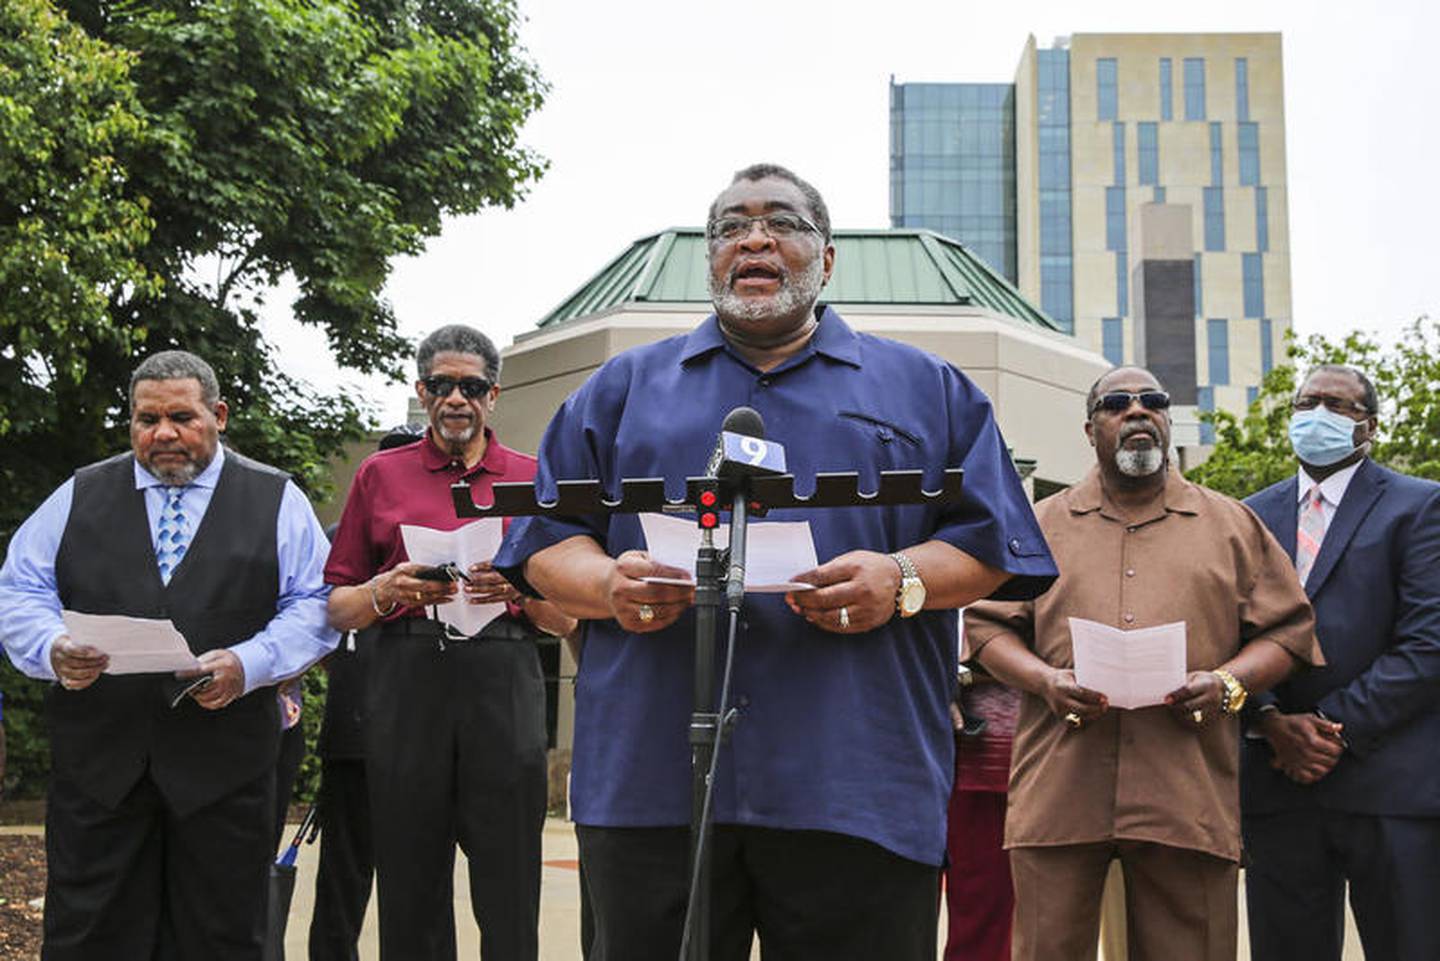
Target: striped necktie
{"type": "Point", "coordinates": [1310, 533]}
{"type": "Point", "coordinates": [174, 533]}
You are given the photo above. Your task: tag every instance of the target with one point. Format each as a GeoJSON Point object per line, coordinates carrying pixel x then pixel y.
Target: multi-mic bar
{"type": "Point", "coordinates": [838, 489]}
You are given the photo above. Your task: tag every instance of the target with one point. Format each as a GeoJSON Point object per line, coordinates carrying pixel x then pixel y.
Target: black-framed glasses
{"type": "Point", "coordinates": [1120, 400]}
{"type": "Point", "coordinates": [781, 225]}
{"type": "Point", "coordinates": [1336, 405]}
{"type": "Point", "coordinates": [439, 385]}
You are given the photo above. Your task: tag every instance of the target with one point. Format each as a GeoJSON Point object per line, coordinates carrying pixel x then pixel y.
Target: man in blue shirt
{"type": "Point", "coordinates": [159, 821]}
{"type": "Point", "coordinates": [832, 786]}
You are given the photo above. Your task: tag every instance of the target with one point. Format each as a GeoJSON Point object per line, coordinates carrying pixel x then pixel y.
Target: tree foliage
{"type": "Point", "coordinates": [1254, 451]}
{"type": "Point", "coordinates": [164, 163]}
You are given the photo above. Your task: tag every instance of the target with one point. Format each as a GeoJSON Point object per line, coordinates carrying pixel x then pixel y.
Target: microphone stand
{"type": "Point", "coordinates": [642, 495]}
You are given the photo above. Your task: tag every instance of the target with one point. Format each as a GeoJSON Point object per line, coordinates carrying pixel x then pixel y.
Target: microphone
{"type": "Point", "coordinates": [742, 434]}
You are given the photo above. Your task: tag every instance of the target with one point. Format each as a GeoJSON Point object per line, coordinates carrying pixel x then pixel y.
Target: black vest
{"type": "Point", "coordinates": [224, 590]}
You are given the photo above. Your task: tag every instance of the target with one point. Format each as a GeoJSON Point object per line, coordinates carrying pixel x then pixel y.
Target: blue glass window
{"type": "Point", "coordinates": [1122, 284]}
{"type": "Point", "coordinates": [1214, 218]}
{"type": "Point", "coordinates": [1106, 92]}
{"type": "Point", "coordinates": [1262, 219]}
{"type": "Point", "coordinates": [1148, 151]}
{"type": "Point", "coordinates": [1217, 337]}
{"type": "Point", "coordinates": [1242, 89]}
{"type": "Point", "coordinates": [1115, 219]}
{"type": "Point", "coordinates": [1253, 278]}
{"type": "Point", "coordinates": [1217, 155]}
{"type": "Point", "coordinates": [1199, 289]}
{"type": "Point", "coordinates": [1194, 88]}
{"type": "Point", "coordinates": [1053, 127]}
{"type": "Point", "coordinates": [1159, 197]}
{"type": "Point", "coordinates": [1249, 154]}
{"type": "Point", "coordinates": [1267, 346]}
{"type": "Point", "coordinates": [1205, 400]}
{"type": "Point", "coordinates": [1112, 336]}
{"type": "Point", "coordinates": [1117, 138]}
{"type": "Point", "coordinates": [1252, 394]}
{"type": "Point", "coordinates": [1167, 91]}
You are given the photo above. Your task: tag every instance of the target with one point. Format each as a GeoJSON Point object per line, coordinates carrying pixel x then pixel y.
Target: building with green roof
{"type": "Point", "coordinates": [912, 285]}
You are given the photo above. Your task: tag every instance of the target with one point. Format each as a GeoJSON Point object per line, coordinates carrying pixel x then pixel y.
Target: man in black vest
{"type": "Point", "coordinates": [160, 820]}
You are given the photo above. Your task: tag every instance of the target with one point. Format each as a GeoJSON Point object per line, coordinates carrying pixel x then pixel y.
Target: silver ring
{"type": "Point", "coordinates": [844, 618]}
{"type": "Point", "coordinates": [646, 613]}
{"type": "Point", "coordinates": [1198, 716]}
{"type": "Point", "coordinates": [1073, 720]}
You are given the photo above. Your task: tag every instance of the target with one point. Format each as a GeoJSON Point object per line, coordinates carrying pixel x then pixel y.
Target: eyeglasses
{"type": "Point", "coordinates": [439, 385]}
{"type": "Point", "coordinates": [778, 226]}
{"type": "Point", "coordinates": [1120, 400]}
{"type": "Point", "coordinates": [1338, 405]}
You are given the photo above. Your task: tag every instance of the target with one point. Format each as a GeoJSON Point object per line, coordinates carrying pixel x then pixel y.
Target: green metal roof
{"type": "Point", "coordinates": [900, 266]}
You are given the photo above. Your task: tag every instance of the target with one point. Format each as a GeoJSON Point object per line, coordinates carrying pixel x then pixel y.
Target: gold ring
{"type": "Point", "coordinates": [1198, 716]}
{"type": "Point", "coordinates": [844, 618]}
{"type": "Point", "coordinates": [646, 613]}
{"type": "Point", "coordinates": [1073, 720]}
{"type": "Point", "coordinates": [417, 597]}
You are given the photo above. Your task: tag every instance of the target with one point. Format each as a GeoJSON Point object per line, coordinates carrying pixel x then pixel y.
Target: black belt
{"type": "Point", "coordinates": [500, 629]}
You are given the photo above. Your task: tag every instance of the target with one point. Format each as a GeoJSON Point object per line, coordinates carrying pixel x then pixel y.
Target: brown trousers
{"type": "Point", "coordinates": [1180, 905]}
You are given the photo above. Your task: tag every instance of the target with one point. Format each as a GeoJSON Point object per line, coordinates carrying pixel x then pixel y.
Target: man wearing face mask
{"type": "Point", "coordinates": [1339, 778]}
{"type": "Point", "coordinates": [1156, 788]}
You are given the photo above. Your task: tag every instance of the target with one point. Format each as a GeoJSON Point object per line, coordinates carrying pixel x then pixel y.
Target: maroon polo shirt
{"type": "Point", "coordinates": [411, 485]}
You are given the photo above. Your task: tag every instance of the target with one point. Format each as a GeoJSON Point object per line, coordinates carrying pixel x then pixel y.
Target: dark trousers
{"type": "Point", "coordinates": [979, 897]}
{"type": "Point", "coordinates": [1295, 884]}
{"type": "Point", "coordinates": [347, 861]}
{"type": "Point", "coordinates": [139, 883]}
{"type": "Point", "coordinates": [287, 772]}
{"type": "Point", "coordinates": [456, 753]}
{"type": "Point", "coordinates": [809, 895]}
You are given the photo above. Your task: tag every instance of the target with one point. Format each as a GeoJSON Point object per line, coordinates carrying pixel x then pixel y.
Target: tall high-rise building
{"type": "Point", "coordinates": [1149, 196]}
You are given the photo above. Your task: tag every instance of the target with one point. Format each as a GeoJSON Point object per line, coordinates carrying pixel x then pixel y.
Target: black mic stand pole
{"type": "Point", "coordinates": [704, 731]}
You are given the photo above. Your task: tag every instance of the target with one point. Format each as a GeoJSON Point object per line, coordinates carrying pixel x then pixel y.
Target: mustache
{"type": "Point", "coordinates": [1139, 427]}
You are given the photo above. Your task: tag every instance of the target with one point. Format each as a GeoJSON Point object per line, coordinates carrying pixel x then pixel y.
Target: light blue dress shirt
{"type": "Point", "coordinates": [296, 637]}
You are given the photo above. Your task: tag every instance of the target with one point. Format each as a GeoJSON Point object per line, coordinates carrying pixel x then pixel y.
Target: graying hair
{"type": "Point", "coordinates": [818, 211]}
{"type": "Point", "coordinates": [458, 339]}
{"type": "Point", "coordinates": [178, 365]}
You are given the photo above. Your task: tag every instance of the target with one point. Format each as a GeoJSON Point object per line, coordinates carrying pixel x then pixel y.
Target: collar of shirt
{"type": "Point", "coordinates": [1332, 488]}
{"type": "Point", "coordinates": [434, 459]}
{"type": "Point", "coordinates": [206, 478]}
{"type": "Point", "coordinates": [1178, 497]}
{"type": "Point", "coordinates": [833, 338]}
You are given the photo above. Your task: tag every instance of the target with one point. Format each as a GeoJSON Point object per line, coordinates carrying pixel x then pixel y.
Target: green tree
{"type": "Point", "coordinates": [209, 149]}
{"type": "Point", "coordinates": [1253, 451]}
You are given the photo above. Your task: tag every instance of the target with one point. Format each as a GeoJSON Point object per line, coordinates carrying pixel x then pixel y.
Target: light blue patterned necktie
{"type": "Point", "coordinates": [174, 534]}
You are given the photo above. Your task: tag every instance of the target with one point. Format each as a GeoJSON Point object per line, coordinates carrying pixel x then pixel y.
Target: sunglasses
{"type": "Point", "coordinates": [438, 385]}
{"type": "Point", "coordinates": [1118, 401]}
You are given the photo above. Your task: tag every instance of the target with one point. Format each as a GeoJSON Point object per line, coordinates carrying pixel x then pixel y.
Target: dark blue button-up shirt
{"type": "Point", "coordinates": [838, 733]}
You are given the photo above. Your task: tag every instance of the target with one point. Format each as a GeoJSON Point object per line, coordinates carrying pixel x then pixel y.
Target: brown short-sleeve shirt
{"type": "Point", "coordinates": [1196, 556]}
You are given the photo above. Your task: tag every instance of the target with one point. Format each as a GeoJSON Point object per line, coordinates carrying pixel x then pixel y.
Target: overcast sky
{"type": "Point", "coordinates": [654, 104]}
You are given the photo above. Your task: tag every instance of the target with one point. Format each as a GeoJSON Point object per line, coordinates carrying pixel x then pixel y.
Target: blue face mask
{"type": "Point", "coordinates": [1322, 437]}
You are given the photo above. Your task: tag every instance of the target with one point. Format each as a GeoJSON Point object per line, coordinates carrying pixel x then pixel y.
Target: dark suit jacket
{"type": "Point", "coordinates": [1376, 590]}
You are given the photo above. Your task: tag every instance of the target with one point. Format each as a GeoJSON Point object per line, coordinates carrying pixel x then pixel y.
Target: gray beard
{"type": "Point", "coordinates": [1139, 463]}
{"type": "Point", "coordinates": [455, 441]}
{"type": "Point", "coordinates": [182, 475]}
{"type": "Point", "coordinates": [797, 292]}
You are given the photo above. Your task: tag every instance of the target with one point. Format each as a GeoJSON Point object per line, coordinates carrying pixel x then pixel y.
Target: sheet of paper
{"type": "Point", "coordinates": [1132, 668]}
{"type": "Point", "coordinates": [775, 551]}
{"type": "Point", "coordinates": [136, 645]}
{"type": "Point", "coordinates": [476, 541]}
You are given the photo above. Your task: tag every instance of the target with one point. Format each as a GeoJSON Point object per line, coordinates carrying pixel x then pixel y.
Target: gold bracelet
{"type": "Point", "coordinates": [375, 601]}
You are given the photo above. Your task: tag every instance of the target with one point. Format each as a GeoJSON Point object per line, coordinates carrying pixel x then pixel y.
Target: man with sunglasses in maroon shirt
{"type": "Point", "coordinates": [1155, 787]}
{"type": "Point", "coordinates": [455, 742]}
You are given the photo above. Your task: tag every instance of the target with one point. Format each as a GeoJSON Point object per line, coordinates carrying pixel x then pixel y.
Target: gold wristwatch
{"type": "Point", "coordinates": [1235, 693]}
{"type": "Point", "coordinates": [910, 596]}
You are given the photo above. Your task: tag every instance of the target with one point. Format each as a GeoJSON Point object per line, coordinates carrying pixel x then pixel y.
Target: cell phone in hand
{"type": "Point", "coordinates": [443, 572]}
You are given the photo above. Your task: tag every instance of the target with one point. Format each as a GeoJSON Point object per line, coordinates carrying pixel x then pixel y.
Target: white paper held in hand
{"type": "Point", "coordinates": [775, 550]}
{"type": "Point", "coordinates": [469, 544]}
{"type": "Point", "coordinates": [136, 645]}
{"type": "Point", "coordinates": [1131, 668]}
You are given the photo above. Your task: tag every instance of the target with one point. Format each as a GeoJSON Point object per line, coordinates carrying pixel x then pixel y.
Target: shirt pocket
{"type": "Point", "coordinates": [883, 442]}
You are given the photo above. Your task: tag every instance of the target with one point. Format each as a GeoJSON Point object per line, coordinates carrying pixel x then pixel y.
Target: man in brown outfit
{"type": "Point", "coordinates": [1157, 787]}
